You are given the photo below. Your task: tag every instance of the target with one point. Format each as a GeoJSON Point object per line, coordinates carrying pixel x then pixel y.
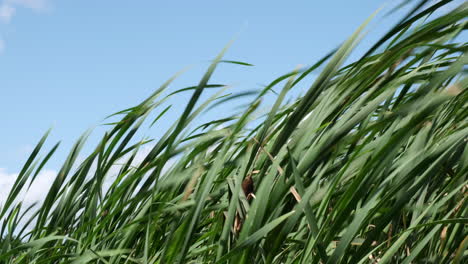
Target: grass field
{"type": "Point", "coordinates": [370, 165]}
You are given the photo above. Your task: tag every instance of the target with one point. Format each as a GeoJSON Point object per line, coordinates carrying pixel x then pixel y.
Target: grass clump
{"type": "Point", "coordinates": [370, 165]}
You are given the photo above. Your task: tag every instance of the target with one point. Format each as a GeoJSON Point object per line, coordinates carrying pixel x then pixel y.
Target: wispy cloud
{"type": "Point", "coordinates": [6, 12]}
{"type": "Point", "coordinates": [2, 45]}
{"type": "Point", "coordinates": [9, 8]}
{"type": "Point", "coordinates": [38, 5]}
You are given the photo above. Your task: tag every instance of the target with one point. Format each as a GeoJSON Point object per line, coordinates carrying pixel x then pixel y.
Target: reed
{"type": "Point", "coordinates": [370, 165]}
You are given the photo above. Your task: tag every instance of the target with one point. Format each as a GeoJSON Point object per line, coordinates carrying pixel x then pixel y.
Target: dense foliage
{"type": "Point", "coordinates": [370, 165]}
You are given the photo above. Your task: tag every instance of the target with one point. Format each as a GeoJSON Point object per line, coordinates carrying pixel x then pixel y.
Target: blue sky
{"type": "Point", "coordinates": [67, 64]}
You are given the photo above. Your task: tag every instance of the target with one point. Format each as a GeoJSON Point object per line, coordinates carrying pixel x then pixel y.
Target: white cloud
{"type": "Point", "coordinates": [40, 186]}
{"type": "Point", "coordinates": [6, 182]}
{"type": "Point", "coordinates": [38, 5]}
{"type": "Point", "coordinates": [6, 12]}
{"type": "Point", "coordinates": [36, 193]}
{"type": "Point", "coordinates": [2, 46]}
{"type": "Point", "coordinates": [8, 7]}
{"type": "Point", "coordinates": [45, 178]}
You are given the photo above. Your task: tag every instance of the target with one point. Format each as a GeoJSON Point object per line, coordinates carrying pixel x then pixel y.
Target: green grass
{"type": "Point", "coordinates": [369, 165]}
